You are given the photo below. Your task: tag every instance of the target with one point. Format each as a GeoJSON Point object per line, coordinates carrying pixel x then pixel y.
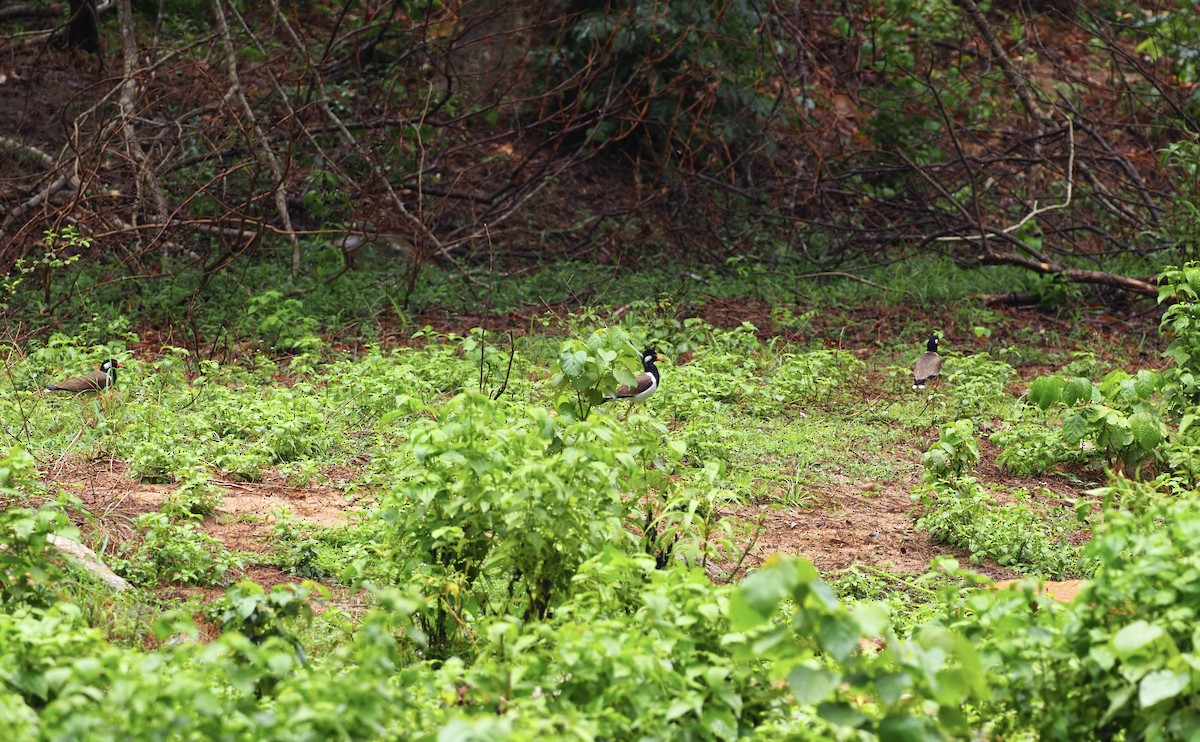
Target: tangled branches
{"type": "Point", "coordinates": [444, 132]}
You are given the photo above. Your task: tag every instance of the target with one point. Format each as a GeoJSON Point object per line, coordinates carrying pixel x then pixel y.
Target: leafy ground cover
{"type": "Point", "coordinates": [447, 537]}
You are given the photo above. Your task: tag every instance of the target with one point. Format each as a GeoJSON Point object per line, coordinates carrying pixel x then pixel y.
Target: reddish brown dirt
{"type": "Point", "coordinates": [872, 523]}
{"type": "Point", "coordinates": [866, 524]}
{"type": "Point", "coordinates": [241, 523]}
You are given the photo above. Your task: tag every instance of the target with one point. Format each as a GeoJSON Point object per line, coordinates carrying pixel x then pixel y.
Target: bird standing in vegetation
{"type": "Point", "coordinates": [929, 363]}
{"type": "Point", "coordinates": [96, 381]}
{"type": "Point", "coordinates": [646, 384]}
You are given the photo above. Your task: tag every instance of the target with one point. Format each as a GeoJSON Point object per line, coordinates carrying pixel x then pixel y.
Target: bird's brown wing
{"type": "Point", "coordinates": [929, 365]}
{"type": "Point", "coordinates": [644, 382]}
{"type": "Point", "coordinates": [93, 382]}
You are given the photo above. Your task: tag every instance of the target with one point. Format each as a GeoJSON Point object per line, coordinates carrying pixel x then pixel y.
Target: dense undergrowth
{"type": "Point", "coordinates": [524, 561]}
{"type": "Point", "coordinates": [287, 314]}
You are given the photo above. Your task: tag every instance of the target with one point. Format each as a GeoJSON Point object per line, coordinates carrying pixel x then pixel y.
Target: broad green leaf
{"type": "Point", "coordinates": [1160, 685]}
{"type": "Point", "coordinates": [1103, 656]}
{"type": "Point", "coordinates": [811, 685]}
{"type": "Point", "coordinates": [1074, 428]}
{"type": "Point", "coordinates": [1133, 637]}
{"type": "Point", "coordinates": [892, 686]}
{"type": "Point", "coordinates": [1145, 430]}
{"type": "Point", "coordinates": [689, 704]}
{"type": "Point", "coordinates": [1046, 390]}
{"type": "Point", "coordinates": [955, 721]}
{"type": "Point", "coordinates": [1118, 433]}
{"type": "Point", "coordinates": [720, 722]}
{"type": "Point", "coordinates": [838, 636]}
{"type": "Point", "coordinates": [903, 729]}
{"type": "Point", "coordinates": [624, 376]}
{"type": "Point", "coordinates": [1077, 390]}
{"type": "Point", "coordinates": [872, 617]}
{"type": "Point", "coordinates": [820, 590]}
{"type": "Point", "coordinates": [1145, 383]}
{"type": "Point", "coordinates": [573, 363]}
{"type": "Point", "coordinates": [841, 713]}
{"type": "Point", "coordinates": [760, 594]}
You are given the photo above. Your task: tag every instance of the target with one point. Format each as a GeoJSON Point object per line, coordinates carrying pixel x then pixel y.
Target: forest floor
{"type": "Point", "coordinates": [842, 521]}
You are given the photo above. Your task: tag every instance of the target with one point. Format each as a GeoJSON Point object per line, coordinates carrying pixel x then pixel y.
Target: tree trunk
{"type": "Point", "coordinates": [83, 31]}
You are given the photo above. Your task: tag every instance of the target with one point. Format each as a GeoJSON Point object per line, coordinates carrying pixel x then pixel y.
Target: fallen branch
{"type": "Point", "coordinates": [87, 560]}
{"type": "Point", "coordinates": [1076, 275]}
{"type": "Point", "coordinates": [31, 10]}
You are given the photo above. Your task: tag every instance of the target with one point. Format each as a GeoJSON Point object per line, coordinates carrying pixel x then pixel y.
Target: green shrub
{"type": "Point", "coordinates": [915, 688]}
{"type": "Point", "coordinates": [1116, 663]}
{"type": "Point", "coordinates": [1021, 535]}
{"type": "Point", "coordinates": [975, 384]}
{"type": "Point", "coordinates": [955, 452]}
{"type": "Point", "coordinates": [37, 645]}
{"type": "Point", "coordinates": [29, 564]}
{"type": "Point", "coordinates": [195, 497]}
{"type": "Point", "coordinates": [588, 371]}
{"type": "Point", "coordinates": [496, 490]}
{"type": "Point", "coordinates": [1029, 447]}
{"type": "Point", "coordinates": [1181, 322]}
{"type": "Point", "coordinates": [1120, 415]}
{"type": "Point", "coordinates": [681, 674]}
{"type": "Point", "coordinates": [281, 322]}
{"type": "Point", "coordinates": [813, 376]}
{"type": "Point", "coordinates": [173, 552]}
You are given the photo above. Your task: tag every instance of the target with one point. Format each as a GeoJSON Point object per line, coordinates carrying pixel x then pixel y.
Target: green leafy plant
{"type": "Point", "coordinates": [282, 323]}
{"type": "Point", "coordinates": [55, 242]}
{"type": "Point", "coordinates": [195, 497]}
{"type": "Point", "coordinates": [173, 552]}
{"type": "Point", "coordinates": [30, 570]}
{"type": "Point", "coordinates": [686, 523]}
{"type": "Point", "coordinates": [296, 551]}
{"type": "Point", "coordinates": [1171, 34]}
{"type": "Point", "coordinates": [813, 376]}
{"type": "Point", "coordinates": [955, 452]}
{"type": "Point", "coordinates": [683, 674]}
{"type": "Point", "coordinates": [975, 383]}
{"type": "Point", "coordinates": [587, 371]}
{"type": "Point", "coordinates": [492, 358]}
{"type": "Point", "coordinates": [1029, 447]}
{"type": "Point", "coordinates": [37, 647]}
{"type": "Point", "coordinates": [913, 688]}
{"type": "Point", "coordinates": [1119, 415]}
{"type": "Point", "coordinates": [29, 566]}
{"type": "Point", "coordinates": [1181, 322]}
{"type": "Point", "coordinates": [1021, 534]}
{"type": "Point", "coordinates": [1115, 662]}
{"type": "Point", "coordinates": [266, 620]}
{"type": "Point", "coordinates": [490, 490]}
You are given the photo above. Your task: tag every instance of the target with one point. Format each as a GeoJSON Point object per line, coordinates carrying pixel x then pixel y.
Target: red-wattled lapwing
{"type": "Point", "coordinates": [646, 384]}
{"type": "Point", "coordinates": [96, 381]}
{"type": "Point", "coordinates": [929, 363]}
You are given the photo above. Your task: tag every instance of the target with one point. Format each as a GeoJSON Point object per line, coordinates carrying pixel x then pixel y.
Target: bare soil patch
{"type": "Point", "coordinates": [867, 524]}
{"type": "Point", "coordinates": [115, 498]}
